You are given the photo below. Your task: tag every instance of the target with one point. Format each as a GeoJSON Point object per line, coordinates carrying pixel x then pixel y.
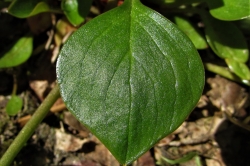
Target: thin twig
{"type": "Point", "coordinates": [29, 128]}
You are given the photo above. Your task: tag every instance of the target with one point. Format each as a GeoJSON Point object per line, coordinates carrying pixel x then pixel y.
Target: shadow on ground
{"type": "Point", "coordinates": [234, 143]}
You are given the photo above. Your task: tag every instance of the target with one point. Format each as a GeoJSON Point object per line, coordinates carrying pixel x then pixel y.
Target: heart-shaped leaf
{"type": "Point", "coordinates": [131, 76]}
{"type": "Point", "coordinates": [76, 10]}
{"type": "Point", "coordinates": [18, 53]}
{"type": "Point", "coordinates": [27, 8]}
{"type": "Point", "coordinates": [229, 9]}
{"type": "Point", "coordinates": [225, 39]}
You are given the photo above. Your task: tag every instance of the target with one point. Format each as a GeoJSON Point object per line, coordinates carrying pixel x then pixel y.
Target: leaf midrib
{"type": "Point", "coordinates": [130, 10]}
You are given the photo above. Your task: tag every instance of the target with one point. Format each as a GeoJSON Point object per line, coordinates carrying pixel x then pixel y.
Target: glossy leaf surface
{"type": "Point", "coordinates": [27, 8]}
{"type": "Point", "coordinates": [240, 69]}
{"type": "Point", "coordinates": [76, 10]}
{"type": "Point", "coordinates": [229, 9]}
{"type": "Point", "coordinates": [192, 32]}
{"type": "Point", "coordinates": [131, 76]}
{"type": "Point", "coordinates": [14, 105]}
{"type": "Point", "coordinates": [18, 53]}
{"type": "Point", "coordinates": [225, 39]}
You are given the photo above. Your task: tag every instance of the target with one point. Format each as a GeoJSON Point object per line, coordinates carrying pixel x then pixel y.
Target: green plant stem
{"type": "Point", "coordinates": [14, 85]}
{"type": "Point", "coordinates": [29, 128]}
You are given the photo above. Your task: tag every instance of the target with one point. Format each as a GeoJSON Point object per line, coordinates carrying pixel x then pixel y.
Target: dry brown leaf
{"type": "Point", "coordinates": [67, 142]}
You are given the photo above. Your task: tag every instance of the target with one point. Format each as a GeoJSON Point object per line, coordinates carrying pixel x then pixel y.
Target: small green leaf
{"type": "Point", "coordinates": [224, 72]}
{"type": "Point", "coordinates": [192, 32]}
{"type": "Point", "coordinates": [14, 105]}
{"type": "Point", "coordinates": [175, 3]}
{"type": "Point", "coordinates": [240, 69]}
{"type": "Point", "coordinates": [18, 53]}
{"type": "Point", "coordinates": [131, 76]}
{"type": "Point", "coordinates": [183, 159]}
{"type": "Point", "coordinates": [76, 10]}
{"type": "Point", "coordinates": [27, 8]}
{"type": "Point", "coordinates": [229, 9]}
{"type": "Point", "coordinates": [225, 39]}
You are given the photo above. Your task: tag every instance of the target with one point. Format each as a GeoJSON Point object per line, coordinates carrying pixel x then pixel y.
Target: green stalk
{"type": "Point", "coordinates": [14, 85]}
{"type": "Point", "coordinates": [29, 128]}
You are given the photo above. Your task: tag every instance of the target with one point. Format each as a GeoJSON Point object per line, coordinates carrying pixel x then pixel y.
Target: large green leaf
{"type": "Point", "coordinates": [18, 53]}
{"type": "Point", "coordinates": [76, 10]}
{"type": "Point", "coordinates": [27, 8]}
{"type": "Point", "coordinates": [225, 39]}
{"type": "Point", "coordinates": [192, 32]}
{"type": "Point", "coordinates": [229, 9]}
{"type": "Point", "coordinates": [131, 76]}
